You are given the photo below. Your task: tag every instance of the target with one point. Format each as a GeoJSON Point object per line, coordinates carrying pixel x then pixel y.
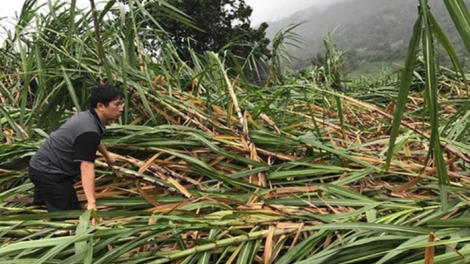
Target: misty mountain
{"type": "Point", "coordinates": [365, 30]}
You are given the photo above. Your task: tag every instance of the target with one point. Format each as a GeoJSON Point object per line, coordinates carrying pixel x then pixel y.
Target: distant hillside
{"type": "Point", "coordinates": [367, 30]}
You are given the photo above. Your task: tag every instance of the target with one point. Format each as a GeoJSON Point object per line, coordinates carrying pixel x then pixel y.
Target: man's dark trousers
{"type": "Point", "coordinates": [55, 191]}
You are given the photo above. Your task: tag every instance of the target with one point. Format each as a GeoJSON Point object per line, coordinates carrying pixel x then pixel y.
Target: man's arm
{"type": "Point", "coordinates": [88, 180]}
{"type": "Point", "coordinates": [109, 159]}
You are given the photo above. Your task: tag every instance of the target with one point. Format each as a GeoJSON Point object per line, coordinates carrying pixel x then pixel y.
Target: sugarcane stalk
{"type": "Point", "coordinates": [99, 45]}
{"type": "Point", "coordinates": [229, 84]}
{"type": "Point", "coordinates": [169, 256]}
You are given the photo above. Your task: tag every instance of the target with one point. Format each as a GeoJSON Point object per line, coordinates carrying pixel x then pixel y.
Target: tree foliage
{"type": "Point", "coordinates": [217, 25]}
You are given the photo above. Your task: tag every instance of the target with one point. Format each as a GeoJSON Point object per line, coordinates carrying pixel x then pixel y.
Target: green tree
{"type": "Point", "coordinates": [217, 24]}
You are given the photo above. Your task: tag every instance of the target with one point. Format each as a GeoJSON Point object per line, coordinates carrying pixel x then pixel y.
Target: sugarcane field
{"type": "Point", "coordinates": [228, 155]}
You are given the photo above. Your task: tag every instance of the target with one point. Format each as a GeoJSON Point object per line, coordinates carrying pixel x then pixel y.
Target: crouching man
{"type": "Point", "coordinates": [71, 151]}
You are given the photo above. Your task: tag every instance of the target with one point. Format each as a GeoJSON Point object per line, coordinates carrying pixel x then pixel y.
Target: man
{"type": "Point", "coordinates": [71, 150]}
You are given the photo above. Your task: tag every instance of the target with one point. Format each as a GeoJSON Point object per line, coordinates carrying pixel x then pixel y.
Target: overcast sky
{"type": "Point", "coordinates": [263, 10]}
{"type": "Point", "coordinates": [272, 10]}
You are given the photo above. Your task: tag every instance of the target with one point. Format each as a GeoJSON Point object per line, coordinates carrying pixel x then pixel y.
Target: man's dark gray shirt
{"type": "Point", "coordinates": [75, 141]}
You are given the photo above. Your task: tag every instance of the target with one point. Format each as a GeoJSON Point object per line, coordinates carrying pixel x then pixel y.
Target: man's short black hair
{"type": "Point", "coordinates": [105, 94]}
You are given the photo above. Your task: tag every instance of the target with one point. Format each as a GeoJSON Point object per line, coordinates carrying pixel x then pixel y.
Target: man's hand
{"type": "Point", "coordinates": [110, 160]}
{"type": "Point", "coordinates": [92, 206]}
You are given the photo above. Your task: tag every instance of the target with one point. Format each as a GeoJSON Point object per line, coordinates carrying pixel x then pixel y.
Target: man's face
{"type": "Point", "coordinates": [113, 111]}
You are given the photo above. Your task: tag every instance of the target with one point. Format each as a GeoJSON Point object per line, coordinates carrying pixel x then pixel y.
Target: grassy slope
{"type": "Point", "coordinates": [367, 26]}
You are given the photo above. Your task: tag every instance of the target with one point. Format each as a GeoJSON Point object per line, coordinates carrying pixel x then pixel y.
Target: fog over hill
{"type": "Point", "coordinates": [367, 30]}
{"type": "Point", "coordinates": [273, 10]}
